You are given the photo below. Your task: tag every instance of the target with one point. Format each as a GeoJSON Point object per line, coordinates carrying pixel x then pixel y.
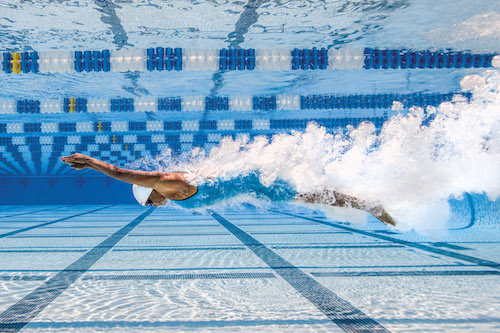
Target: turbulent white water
{"type": "Point", "coordinates": [412, 166]}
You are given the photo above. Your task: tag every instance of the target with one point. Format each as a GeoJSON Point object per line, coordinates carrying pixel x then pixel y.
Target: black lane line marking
{"type": "Point", "coordinates": [16, 248]}
{"type": "Point", "coordinates": [36, 211]}
{"type": "Point", "coordinates": [472, 213]}
{"type": "Point", "coordinates": [341, 312]}
{"type": "Point", "coordinates": [141, 227]}
{"type": "Point", "coordinates": [245, 217]}
{"type": "Point", "coordinates": [18, 315]}
{"type": "Point", "coordinates": [201, 276]}
{"type": "Point", "coordinates": [298, 247]}
{"type": "Point", "coordinates": [41, 251]}
{"type": "Point", "coordinates": [61, 236]}
{"type": "Point", "coordinates": [210, 325]}
{"type": "Point", "coordinates": [319, 232]}
{"type": "Point", "coordinates": [272, 224]}
{"type": "Point", "coordinates": [181, 235]}
{"type": "Point", "coordinates": [226, 268]}
{"type": "Point", "coordinates": [272, 245]}
{"type": "Point", "coordinates": [184, 325]}
{"type": "Point", "coordinates": [232, 268]}
{"type": "Point", "coordinates": [387, 232]}
{"type": "Point", "coordinates": [404, 273]}
{"type": "Point", "coordinates": [450, 246]}
{"type": "Point", "coordinates": [181, 249]}
{"type": "Point", "coordinates": [7, 234]}
{"type": "Point", "coordinates": [23, 278]}
{"type": "Point", "coordinates": [474, 260]}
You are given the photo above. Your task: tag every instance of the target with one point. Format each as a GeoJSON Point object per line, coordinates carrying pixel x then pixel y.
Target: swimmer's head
{"type": "Point", "coordinates": [141, 194]}
{"type": "Point", "coordinates": [156, 199]}
{"type": "Point", "coordinates": [145, 196]}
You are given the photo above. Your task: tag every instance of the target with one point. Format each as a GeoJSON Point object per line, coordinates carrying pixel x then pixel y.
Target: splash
{"type": "Point", "coordinates": [412, 166]}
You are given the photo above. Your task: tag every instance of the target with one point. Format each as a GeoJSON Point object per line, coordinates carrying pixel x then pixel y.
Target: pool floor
{"type": "Point", "coordinates": [124, 268]}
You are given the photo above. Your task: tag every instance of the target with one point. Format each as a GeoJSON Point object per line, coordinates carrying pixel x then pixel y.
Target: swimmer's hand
{"type": "Point", "coordinates": [77, 161]}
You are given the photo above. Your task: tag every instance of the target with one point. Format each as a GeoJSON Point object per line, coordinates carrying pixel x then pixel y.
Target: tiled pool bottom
{"type": "Point", "coordinates": [128, 268]}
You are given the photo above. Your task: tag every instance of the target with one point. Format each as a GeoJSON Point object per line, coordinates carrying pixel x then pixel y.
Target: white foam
{"type": "Point", "coordinates": [412, 167]}
{"type": "Point", "coordinates": [397, 106]}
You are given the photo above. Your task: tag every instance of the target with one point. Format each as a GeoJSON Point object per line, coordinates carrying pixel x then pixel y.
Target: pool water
{"type": "Point", "coordinates": [129, 268]}
{"type": "Point", "coordinates": [78, 254]}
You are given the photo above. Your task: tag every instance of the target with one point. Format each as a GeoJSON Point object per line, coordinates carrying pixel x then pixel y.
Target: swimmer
{"type": "Point", "coordinates": [156, 188]}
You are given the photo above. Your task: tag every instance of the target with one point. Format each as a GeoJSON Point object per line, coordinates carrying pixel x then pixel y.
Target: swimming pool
{"type": "Point", "coordinates": [153, 84]}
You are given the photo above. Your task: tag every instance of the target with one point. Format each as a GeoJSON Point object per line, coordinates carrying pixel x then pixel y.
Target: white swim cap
{"type": "Point", "coordinates": [141, 193]}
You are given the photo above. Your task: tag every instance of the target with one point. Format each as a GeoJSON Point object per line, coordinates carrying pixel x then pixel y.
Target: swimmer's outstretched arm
{"type": "Point", "coordinates": [143, 178]}
{"type": "Point", "coordinates": [333, 198]}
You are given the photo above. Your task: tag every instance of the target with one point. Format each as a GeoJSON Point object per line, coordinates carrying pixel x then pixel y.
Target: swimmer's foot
{"type": "Point", "coordinates": [385, 217]}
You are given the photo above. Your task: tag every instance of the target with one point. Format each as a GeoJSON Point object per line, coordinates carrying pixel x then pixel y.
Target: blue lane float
{"type": "Point", "coordinates": [20, 62]}
{"type": "Point", "coordinates": [169, 59]}
{"type": "Point", "coordinates": [28, 106]}
{"type": "Point", "coordinates": [264, 103]}
{"type": "Point", "coordinates": [170, 104]}
{"type": "Point", "coordinates": [218, 103]}
{"type": "Point", "coordinates": [387, 59]}
{"type": "Point", "coordinates": [309, 59]}
{"type": "Point", "coordinates": [236, 59]}
{"type": "Point", "coordinates": [164, 59]}
{"type": "Point", "coordinates": [92, 61]}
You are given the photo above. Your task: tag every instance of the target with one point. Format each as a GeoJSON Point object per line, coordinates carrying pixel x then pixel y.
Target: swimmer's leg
{"type": "Point", "coordinates": [336, 199]}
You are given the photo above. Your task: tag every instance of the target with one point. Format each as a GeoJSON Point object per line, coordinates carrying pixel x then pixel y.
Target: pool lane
{"type": "Point", "coordinates": [341, 312]}
{"type": "Point", "coordinates": [177, 279]}
{"type": "Point", "coordinates": [35, 211]}
{"type": "Point", "coordinates": [447, 253]}
{"type": "Point", "coordinates": [18, 315]}
{"type": "Point", "coordinates": [14, 232]}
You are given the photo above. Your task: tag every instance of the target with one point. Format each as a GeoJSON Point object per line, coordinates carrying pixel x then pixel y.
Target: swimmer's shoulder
{"type": "Point", "coordinates": [173, 176]}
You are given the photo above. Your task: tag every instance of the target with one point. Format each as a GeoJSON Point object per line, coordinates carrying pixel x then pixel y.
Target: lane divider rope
{"type": "Point", "coordinates": [230, 103]}
{"type": "Point", "coordinates": [168, 59]}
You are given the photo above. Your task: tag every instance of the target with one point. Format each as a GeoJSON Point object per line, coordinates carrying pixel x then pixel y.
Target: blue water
{"type": "Point", "coordinates": [77, 253]}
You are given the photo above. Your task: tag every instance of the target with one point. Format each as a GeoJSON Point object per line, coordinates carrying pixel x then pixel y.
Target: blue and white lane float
{"type": "Point", "coordinates": [218, 103]}
{"type": "Point", "coordinates": [169, 59]}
